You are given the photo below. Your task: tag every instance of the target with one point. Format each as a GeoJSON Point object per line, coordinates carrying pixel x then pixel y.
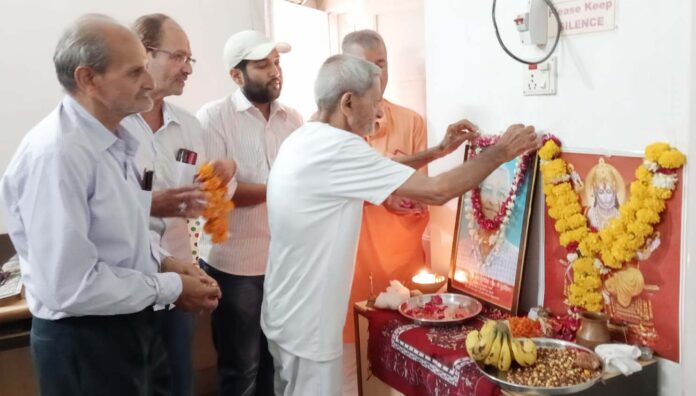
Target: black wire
{"type": "Point", "coordinates": [513, 56]}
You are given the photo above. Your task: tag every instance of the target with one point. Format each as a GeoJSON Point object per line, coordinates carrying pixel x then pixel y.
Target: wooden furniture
{"type": "Point", "coordinates": [643, 383]}
{"type": "Point", "coordinates": [17, 376]}
{"type": "Point", "coordinates": [16, 371]}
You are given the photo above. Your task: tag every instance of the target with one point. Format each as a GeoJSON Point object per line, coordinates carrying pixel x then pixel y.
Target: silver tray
{"type": "Point", "coordinates": [499, 377]}
{"type": "Point", "coordinates": [472, 306]}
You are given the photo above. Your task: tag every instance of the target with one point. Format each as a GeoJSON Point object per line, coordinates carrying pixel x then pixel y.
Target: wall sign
{"type": "Point", "coordinates": [585, 16]}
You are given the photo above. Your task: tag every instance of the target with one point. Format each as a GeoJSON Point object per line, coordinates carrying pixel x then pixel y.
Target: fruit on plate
{"type": "Point", "coordinates": [494, 345]}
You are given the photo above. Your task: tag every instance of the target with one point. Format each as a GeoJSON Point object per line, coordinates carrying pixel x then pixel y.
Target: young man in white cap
{"type": "Point", "coordinates": [248, 127]}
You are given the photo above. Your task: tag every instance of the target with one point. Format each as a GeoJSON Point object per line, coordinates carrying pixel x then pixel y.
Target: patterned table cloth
{"type": "Point", "coordinates": [421, 360]}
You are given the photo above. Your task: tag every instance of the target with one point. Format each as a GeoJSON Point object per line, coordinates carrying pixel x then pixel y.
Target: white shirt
{"type": "Point", "coordinates": [157, 152]}
{"type": "Point", "coordinates": [316, 191]}
{"type": "Point", "coordinates": [500, 264]}
{"type": "Point", "coordinates": [79, 220]}
{"type": "Point", "coordinates": [235, 129]}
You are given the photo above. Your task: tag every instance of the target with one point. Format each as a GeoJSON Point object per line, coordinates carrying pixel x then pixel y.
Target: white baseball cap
{"type": "Point", "coordinates": [251, 45]}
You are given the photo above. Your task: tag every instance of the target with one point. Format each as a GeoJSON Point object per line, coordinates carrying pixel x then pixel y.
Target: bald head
{"type": "Point", "coordinates": [368, 45]}
{"type": "Point", "coordinates": [88, 43]}
{"type": "Point", "coordinates": [359, 40]}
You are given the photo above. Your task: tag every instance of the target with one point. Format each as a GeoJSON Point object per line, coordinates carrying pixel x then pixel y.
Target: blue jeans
{"type": "Point", "coordinates": [245, 367]}
{"type": "Point", "coordinates": [176, 328]}
{"type": "Point", "coordinates": [97, 355]}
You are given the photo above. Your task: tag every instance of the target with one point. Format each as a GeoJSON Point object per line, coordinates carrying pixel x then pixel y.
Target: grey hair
{"type": "Point", "coordinates": [366, 39]}
{"type": "Point", "coordinates": [340, 74]}
{"type": "Point", "coordinates": [82, 44]}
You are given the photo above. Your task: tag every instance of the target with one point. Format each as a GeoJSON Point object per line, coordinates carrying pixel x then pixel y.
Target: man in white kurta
{"type": "Point", "coordinates": [323, 174]}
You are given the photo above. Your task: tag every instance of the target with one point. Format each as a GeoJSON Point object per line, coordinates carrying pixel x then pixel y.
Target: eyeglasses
{"type": "Point", "coordinates": [175, 56]}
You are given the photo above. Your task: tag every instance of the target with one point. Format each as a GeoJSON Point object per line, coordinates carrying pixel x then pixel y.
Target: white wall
{"type": "Point", "coordinates": [307, 31]}
{"type": "Point", "coordinates": [617, 91]}
{"type": "Point", "coordinates": [29, 31]}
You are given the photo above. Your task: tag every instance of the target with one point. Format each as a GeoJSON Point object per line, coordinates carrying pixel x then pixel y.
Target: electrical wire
{"type": "Point", "coordinates": [515, 57]}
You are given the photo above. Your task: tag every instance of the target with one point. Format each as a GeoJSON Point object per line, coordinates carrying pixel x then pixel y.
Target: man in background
{"type": "Point", "coordinates": [162, 132]}
{"type": "Point", "coordinates": [390, 246]}
{"type": "Point", "coordinates": [77, 212]}
{"type": "Point", "coordinates": [249, 127]}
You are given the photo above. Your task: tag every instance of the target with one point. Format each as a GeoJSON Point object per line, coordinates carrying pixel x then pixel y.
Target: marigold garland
{"type": "Point", "coordinates": [219, 204]}
{"type": "Point", "coordinates": [596, 253]}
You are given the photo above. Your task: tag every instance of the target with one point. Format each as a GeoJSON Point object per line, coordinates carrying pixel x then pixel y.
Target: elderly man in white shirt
{"type": "Point", "coordinates": [77, 215]}
{"type": "Point", "coordinates": [163, 132]}
{"type": "Point", "coordinates": [323, 174]}
{"type": "Point", "coordinates": [249, 127]}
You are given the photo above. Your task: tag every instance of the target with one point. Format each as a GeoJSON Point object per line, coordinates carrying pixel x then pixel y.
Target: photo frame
{"type": "Point", "coordinates": [648, 313]}
{"type": "Point", "coordinates": [492, 272]}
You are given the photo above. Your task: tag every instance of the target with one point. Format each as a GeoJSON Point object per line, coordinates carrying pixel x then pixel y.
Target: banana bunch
{"type": "Point", "coordinates": [494, 346]}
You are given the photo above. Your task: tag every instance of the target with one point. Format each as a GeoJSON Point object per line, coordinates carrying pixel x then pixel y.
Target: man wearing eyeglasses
{"type": "Point", "coordinates": [249, 127]}
{"type": "Point", "coordinates": [77, 212]}
{"type": "Point", "coordinates": [163, 132]}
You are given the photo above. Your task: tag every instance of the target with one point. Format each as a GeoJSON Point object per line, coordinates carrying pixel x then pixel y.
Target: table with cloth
{"type": "Point", "coordinates": [432, 360]}
{"type": "Point", "coordinates": [422, 360]}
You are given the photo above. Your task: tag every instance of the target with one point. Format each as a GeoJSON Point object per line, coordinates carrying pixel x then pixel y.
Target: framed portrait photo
{"type": "Point", "coordinates": [490, 237]}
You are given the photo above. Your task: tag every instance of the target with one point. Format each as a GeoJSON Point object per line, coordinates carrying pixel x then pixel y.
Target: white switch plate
{"type": "Point", "coordinates": [542, 80]}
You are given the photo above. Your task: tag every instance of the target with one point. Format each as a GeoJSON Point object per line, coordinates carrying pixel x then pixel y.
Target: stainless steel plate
{"type": "Point", "coordinates": [500, 377]}
{"type": "Point", "coordinates": [470, 306]}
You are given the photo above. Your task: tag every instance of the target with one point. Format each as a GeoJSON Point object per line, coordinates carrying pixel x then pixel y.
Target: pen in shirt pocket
{"type": "Point", "coordinates": [146, 183]}
{"type": "Point", "coordinates": [187, 156]}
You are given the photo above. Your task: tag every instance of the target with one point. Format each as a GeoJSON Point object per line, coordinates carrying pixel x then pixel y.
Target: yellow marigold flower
{"type": "Point", "coordinates": [640, 229]}
{"type": "Point", "coordinates": [553, 170]}
{"type": "Point", "coordinates": [562, 188]}
{"type": "Point", "coordinates": [595, 298]}
{"type": "Point", "coordinates": [577, 292]}
{"type": "Point", "coordinates": [572, 236]}
{"type": "Point", "coordinates": [588, 282]}
{"type": "Point", "coordinates": [589, 244]}
{"type": "Point", "coordinates": [575, 295]}
{"type": "Point", "coordinates": [551, 201]}
{"type": "Point", "coordinates": [648, 216]}
{"type": "Point", "coordinates": [564, 239]}
{"type": "Point", "coordinates": [621, 252]}
{"type": "Point", "coordinates": [643, 174]}
{"type": "Point", "coordinates": [548, 189]}
{"type": "Point", "coordinates": [636, 242]}
{"type": "Point", "coordinates": [672, 159]}
{"type": "Point", "coordinates": [638, 190]}
{"type": "Point", "coordinates": [561, 225]}
{"type": "Point", "coordinates": [609, 260]}
{"type": "Point", "coordinates": [563, 202]}
{"type": "Point", "coordinates": [578, 234]}
{"type": "Point", "coordinates": [616, 227]}
{"type": "Point", "coordinates": [571, 209]}
{"type": "Point", "coordinates": [661, 193]}
{"type": "Point", "coordinates": [594, 306]}
{"type": "Point", "coordinates": [583, 265]}
{"type": "Point", "coordinates": [555, 212]}
{"type": "Point", "coordinates": [654, 204]}
{"type": "Point", "coordinates": [634, 204]}
{"type": "Point", "coordinates": [627, 212]}
{"type": "Point", "coordinates": [577, 220]}
{"type": "Point", "coordinates": [655, 150]}
{"type": "Point", "coordinates": [549, 151]}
